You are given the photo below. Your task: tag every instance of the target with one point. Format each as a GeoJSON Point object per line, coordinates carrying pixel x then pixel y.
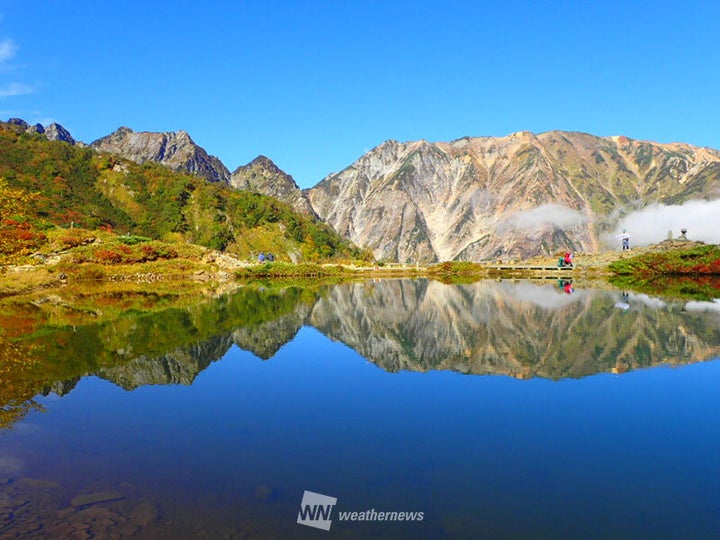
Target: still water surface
{"type": "Point", "coordinates": [499, 410]}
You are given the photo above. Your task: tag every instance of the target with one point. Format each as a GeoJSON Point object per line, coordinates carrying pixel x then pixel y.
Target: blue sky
{"type": "Point", "coordinates": [313, 85]}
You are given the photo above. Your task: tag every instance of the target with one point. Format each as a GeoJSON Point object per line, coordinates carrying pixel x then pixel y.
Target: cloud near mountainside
{"type": "Point", "coordinates": [651, 224]}
{"type": "Point", "coordinates": [548, 214]}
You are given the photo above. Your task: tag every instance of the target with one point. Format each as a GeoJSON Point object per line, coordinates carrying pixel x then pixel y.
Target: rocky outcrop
{"type": "Point", "coordinates": [53, 132]}
{"type": "Point", "coordinates": [509, 197]}
{"type": "Point", "coordinates": [177, 151]}
{"type": "Point", "coordinates": [261, 175]}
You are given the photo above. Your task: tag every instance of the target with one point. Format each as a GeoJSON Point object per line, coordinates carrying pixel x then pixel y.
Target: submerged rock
{"type": "Point", "coordinates": [95, 498]}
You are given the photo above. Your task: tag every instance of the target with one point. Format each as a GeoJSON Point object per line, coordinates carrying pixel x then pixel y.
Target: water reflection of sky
{"type": "Point", "coordinates": [628, 456]}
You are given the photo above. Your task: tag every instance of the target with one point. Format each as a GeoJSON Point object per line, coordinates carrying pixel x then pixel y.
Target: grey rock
{"type": "Point", "coordinates": [175, 150]}
{"type": "Point", "coordinates": [55, 132]}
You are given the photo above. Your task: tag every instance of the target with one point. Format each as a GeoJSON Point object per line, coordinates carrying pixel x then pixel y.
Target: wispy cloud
{"type": "Point", "coordinates": [544, 296]}
{"type": "Point", "coordinates": [546, 215]}
{"type": "Point", "coordinates": [15, 89]}
{"type": "Point", "coordinates": [703, 306]}
{"type": "Point", "coordinates": [8, 49]}
{"type": "Point", "coordinates": [651, 224]}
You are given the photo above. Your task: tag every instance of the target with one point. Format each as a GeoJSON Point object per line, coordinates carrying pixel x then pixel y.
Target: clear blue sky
{"type": "Point", "coordinates": [313, 85]}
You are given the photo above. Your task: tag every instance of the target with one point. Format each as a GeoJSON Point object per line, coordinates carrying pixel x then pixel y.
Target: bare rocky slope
{"type": "Point", "coordinates": [176, 151]}
{"type": "Point", "coordinates": [510, 197]}
{"type": "Point", "coordinates": [53, 132]}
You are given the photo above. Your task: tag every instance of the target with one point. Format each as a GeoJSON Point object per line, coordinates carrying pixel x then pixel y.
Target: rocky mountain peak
{"type": "Point", "coordinates": [264, 162]}
{"type": "Point", "coordinates": [175, 150]}
{"type": "Point", "coordinates": [262, 175]}
{"type": "Point", "coordinates": [53, 132]}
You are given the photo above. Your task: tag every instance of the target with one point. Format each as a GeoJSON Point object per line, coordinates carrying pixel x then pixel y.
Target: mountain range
{"type": "Point", "coordinates": [164, 190]}
{"type": "Point", "coordinates": [475, 198]}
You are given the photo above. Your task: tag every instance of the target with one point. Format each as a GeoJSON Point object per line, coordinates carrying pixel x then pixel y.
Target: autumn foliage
{"type": "Point", "coordinates": [78, 187]}
{"type": "Point", "coordinates": [18, 233]}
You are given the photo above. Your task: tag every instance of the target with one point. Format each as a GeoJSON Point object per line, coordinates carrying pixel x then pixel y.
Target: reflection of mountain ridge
{"type": "Point", "coordinates": [266, 339]}
{"type": "Point", "coordinates": [182, 365]}
{"type": "Point", "coordinates": [522, 330]}
{"type": "Point", "coordinates": [178, 367]}
{"type": "Point", "coordinates": [518, 329]}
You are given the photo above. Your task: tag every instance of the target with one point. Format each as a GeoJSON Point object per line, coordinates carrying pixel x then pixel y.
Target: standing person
{"type": "Point", "coordinates": [625, 237]}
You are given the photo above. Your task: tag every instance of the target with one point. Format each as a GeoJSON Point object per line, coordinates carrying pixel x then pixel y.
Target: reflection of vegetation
{"type": "Point", "coordinates": [456, 272]}
{"type": "Point", "coordinates": [291, 270]}
{"type": "Point", "coordinates": [60, 338]}
{"type": "Point", "coordinates": [17, 360]}
{"type": "Point", "coordinates": [689, 288]}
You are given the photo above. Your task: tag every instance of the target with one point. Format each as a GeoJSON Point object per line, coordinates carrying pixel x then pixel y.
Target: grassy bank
{"type": "Point", "coordinates": [693, 261]}
{"type": "Point", "coordinates": [689, 273]}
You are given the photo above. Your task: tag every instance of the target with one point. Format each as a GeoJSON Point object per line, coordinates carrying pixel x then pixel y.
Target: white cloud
{"type": "Point", "coordinates": [8, 48]}
{"type": "Point", "coordinates": [651, 224]}
{"type": "Point", "coordinates": [649, 301]}
{"type": "Point", "coordinates": [15, 89]}
{"type": "Point", "coordinates": [547, 214]}
{"type": "Point", "coordinates": [703, 306]}
{"type": "Point", "coordinates": [545, 296]}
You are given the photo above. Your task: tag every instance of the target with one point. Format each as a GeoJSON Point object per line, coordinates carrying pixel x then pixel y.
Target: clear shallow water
{"type": "Point", "coordinates": [635, 455]}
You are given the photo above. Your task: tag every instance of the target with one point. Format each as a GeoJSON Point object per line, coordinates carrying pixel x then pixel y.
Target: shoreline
{"type": "Point", "coordinates": [639, 265]}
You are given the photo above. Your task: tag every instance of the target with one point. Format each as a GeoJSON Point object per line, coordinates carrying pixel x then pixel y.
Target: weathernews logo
{"type": "Point", "coordinates": [316, 511]}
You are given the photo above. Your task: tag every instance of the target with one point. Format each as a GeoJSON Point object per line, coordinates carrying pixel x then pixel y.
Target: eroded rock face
{"type": "Point", "coordinates": [53, 132]}
{"type": "Point", "coordinates": [175, 150]}
{"type": "Point", "coordinates": [510, 197]}
{"type": "Point", "coordinates": [261, 175]}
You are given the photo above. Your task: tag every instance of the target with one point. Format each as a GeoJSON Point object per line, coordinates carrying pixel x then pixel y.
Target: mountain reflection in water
{"type": "Point", "coordinates": [224, 407]}
{"type": "Point", "coordinates": [520, 329]}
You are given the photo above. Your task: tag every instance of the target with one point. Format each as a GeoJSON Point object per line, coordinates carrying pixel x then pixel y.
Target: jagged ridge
{"type": "Point", "coordinates": [176, 151]}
